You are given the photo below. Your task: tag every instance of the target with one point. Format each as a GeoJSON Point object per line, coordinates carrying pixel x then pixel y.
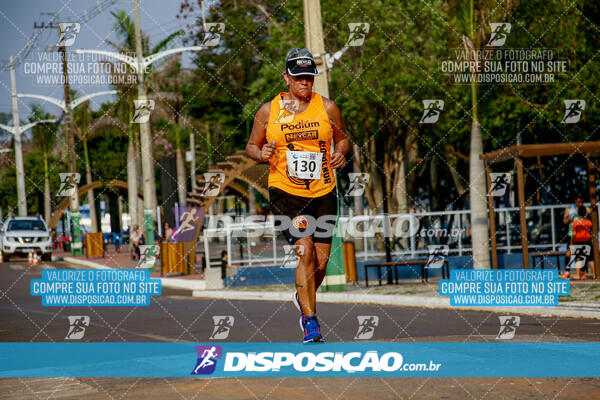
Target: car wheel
{"type": "Point", "coordinates": [6, 258]}
{"type": "Point", "coordinates": [47, 257]}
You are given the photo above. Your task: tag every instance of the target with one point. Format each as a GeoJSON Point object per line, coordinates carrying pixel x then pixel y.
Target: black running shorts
{"type": "Point", "coordinates": [307, 216]}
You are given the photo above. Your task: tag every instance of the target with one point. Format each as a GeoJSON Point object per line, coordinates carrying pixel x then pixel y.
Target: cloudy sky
{"type": "Point", "coordinates": [158, 18]}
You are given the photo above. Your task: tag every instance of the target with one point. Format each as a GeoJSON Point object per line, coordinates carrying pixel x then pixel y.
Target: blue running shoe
{"type": "Point", "coordinates": [312, 331]}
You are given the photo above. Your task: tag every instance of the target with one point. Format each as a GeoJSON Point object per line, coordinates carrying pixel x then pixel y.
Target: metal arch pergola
{"type": "Point", "coordinates": [64, 204]}
{"type": "Point", "coordinates": [236, 167]}
{"type": "Point", "coordinates": [591, 150]}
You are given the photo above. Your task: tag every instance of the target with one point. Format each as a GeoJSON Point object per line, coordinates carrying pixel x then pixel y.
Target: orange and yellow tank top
{"type": "Point", "coordinates": [308, 131]}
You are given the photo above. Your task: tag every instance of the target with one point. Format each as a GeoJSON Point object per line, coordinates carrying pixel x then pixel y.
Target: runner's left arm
{"type": "Point", "coordinates": [256, 148]}
{"type": "Point", "coordinates": [342, 143]}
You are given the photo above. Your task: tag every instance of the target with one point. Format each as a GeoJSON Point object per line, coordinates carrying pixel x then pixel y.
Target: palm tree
{"type": "Point", "coordinates": [81, 118]}
{"type": "Point", "coordinates": [125, 29]}
{"type": "Point", "coordinates": [87, 128]}
{"type": "Point", "coordinates": [168, 82]}
{"type": "Point", "coordinates": [486, 10]}
{"type": "Point", "coordinates": [44, 138]}
{"type": "Point", "coordinates": [477, 175]}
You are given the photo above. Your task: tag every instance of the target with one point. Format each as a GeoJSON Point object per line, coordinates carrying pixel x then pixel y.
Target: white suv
{"type": "Point", "coordinates": [22, 234]}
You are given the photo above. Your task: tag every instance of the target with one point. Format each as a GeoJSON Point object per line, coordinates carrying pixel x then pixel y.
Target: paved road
{"type": "Point", "coordinates": [175, 316]}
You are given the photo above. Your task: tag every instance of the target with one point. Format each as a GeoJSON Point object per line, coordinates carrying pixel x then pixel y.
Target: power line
{"type": "Point", "coordinates": [84, 17]}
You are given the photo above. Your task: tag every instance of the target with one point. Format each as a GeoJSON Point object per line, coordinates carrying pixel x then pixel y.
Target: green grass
{"type": "Point", "coordinates": [567, 299]}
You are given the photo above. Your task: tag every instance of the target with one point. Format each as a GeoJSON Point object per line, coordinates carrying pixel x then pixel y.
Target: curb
{"type": "Point", "coordinates": [198, 288]}
{"type": "Point", "coordinates": [573, 310]}
{"type": "Point", "coordinates": [172, 283]}
{"type": "Point", "coordinates": [84, 263]}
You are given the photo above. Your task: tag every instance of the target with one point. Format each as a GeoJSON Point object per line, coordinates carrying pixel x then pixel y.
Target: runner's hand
{"type": "Point", "coordinates": [268, 150]}
{"type": "Point", "coordinates": [338, 160]}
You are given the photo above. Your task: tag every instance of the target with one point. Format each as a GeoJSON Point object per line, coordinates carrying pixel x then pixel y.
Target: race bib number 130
{"type": "Point", "coordinates": [304, 164]}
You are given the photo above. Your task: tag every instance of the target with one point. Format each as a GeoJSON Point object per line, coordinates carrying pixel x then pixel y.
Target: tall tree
{"type": "Point", "coordinates": [44, 138]}
{"type": "Point", "coordinates": [168, 81]}
{"type": "Point", "coordinates": [477, 175]}
{"type": "Point", "coordinates": [380, 87]}
{"type": "Point", "coordinates": [82, 118]}
{"type": "Point", "coordinates": [127, 84]}
{"type": "Point", "coordinates": [91, 125]}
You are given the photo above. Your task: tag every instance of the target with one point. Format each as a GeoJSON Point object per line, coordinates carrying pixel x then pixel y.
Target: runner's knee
{"type": "Point", "coordinates": [307, 258]}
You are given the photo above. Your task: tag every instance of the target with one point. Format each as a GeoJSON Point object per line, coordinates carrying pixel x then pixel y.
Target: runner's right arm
{"type": "Point", "coordinates": [256, 147]}
{"type": "Point", "coordinates": [566, 217]}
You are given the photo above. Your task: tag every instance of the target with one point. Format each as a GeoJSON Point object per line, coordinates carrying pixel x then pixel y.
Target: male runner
{"type": "Point", "coordinates": [581, 237]}
{"type": "Point", "coordinates": [294, 132]}
{"type": "Point", "coordinates": [570, 215]}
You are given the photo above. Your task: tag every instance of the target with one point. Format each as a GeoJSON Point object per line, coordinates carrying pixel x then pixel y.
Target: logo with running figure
{"type": "Point", "coordinates": [287, 111]}
{"type": "Point", "coordinates": [508, 326]}
{"type": "Point", "coordinates": [214, 180]}
{"type": "Point", "coordinates": [68, 183]}
{"type": "Point", "coordinates": [358, 33]}
{"type": "Point", "coordinates": [223, 324]}
{"type": "Point", "coordinates": [437, 254]}
{"type": "Point", "coordinates": [212, 34]}
{"type": "Point", "coordinates": [431, 111]}
{"type": "Point", "coordinates": [358, 183]}
{"type": "Point", "coordinates": [207, 359]}
{"type": "Point", "coordinates": [68, 33]}
{"type": "Point", "coordinates": [143, 109]}
{"type": "Point", "coordinates": [366, 326]}
{"type": "Point", "coordinates": [77, 325]}
{"type": "Point", "coordinates": [292, 253]}
{"type": "Point", "coordinates": [499, 184]}
{"type": "Point", "coordinates": [573, 109]}
{"type": "Point", "coordinates": [500, 31]}
{"type": "Point", "coordinates": [190, 223]}
{"type": "Point", "coordinates": [148, 256]}
{"type": "Point", "coordinates": [579, 255]}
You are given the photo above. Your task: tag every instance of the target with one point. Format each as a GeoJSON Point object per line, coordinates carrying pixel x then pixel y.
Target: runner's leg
{"type": "Point", "coordinates": [305, 276]}
{"type": "Point", "coordinates": [323, 207]}
{"type": "Point", "coordinates": [321, 258]}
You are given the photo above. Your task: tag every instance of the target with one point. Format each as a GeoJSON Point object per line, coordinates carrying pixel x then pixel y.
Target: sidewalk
{"type": "Point", "coordinates": [122, 260]}
{"type": "Point", "coordinates": [584, 301]}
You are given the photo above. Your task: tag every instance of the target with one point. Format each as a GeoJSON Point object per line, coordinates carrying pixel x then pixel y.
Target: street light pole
{"type": "Point", "coordinates": [76, 239]}
{"type": "Point", "coordinates": [16, 131]}
{"type": "Point", "coordinates": [313, 35]}
{"type": "Point", "coordinates": [21, 197]}
{"type": "Point", "coordinates": [148, 179]}
{"type": "Point", "coordinates": [193, 161]}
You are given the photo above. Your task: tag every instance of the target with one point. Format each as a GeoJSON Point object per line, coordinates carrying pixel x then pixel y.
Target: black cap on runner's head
{"type": "Point", "coordinates": [300, 62]}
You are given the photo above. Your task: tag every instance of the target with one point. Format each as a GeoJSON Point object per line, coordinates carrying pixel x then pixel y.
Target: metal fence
{"type": "Point", "coordinates": [255, 243]}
